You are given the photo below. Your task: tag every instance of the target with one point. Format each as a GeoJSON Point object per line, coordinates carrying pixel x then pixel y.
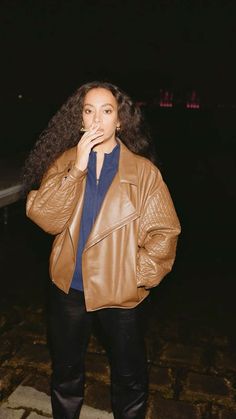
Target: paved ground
{"type": "Point", "coordinates": [28, 402]}
{"type": "Point", "coordinates": [194, 378]}
{"type": "Point", "coordinates": [191, 338]}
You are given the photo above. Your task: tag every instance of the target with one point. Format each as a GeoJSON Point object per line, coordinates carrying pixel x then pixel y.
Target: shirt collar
{"type": "Point", "coordinates": [110, 159]}
{"type": "Point", "coordinates": [108, 155]}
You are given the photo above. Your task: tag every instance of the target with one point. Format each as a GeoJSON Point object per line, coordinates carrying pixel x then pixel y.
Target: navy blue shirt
{"type": "Point", "coordinates": [95, 192]}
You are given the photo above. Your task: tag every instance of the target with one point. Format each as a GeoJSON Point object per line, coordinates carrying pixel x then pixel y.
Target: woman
{"type": "Point", "coordinates": [116, 231]}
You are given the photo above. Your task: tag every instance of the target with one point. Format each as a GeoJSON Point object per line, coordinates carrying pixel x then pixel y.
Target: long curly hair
{"type": "Point", "coordinates": [63, 132]}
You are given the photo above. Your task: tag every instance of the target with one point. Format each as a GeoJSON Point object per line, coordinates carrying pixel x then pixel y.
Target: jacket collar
{"type": "Point", "coordinates": [117, 208]}
{"type": "Point", "coordinates": [127, 165]}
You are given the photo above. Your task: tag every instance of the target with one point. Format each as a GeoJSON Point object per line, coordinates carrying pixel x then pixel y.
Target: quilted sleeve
{"type": "Point", "coordinates": [51, 206]}
{"type": "Point", "coordinates": [159, 229]}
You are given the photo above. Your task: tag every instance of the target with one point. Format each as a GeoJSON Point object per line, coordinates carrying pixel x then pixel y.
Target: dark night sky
{"type": "Point", "coordinates": [51, 46]}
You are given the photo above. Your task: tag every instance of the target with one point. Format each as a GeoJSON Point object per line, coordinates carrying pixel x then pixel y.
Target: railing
{"type": "Point", "coordinates": [9, 196]}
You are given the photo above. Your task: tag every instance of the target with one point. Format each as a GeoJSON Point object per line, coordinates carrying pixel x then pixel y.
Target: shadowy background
{"type": "Point", "coordinates": [49, 48]}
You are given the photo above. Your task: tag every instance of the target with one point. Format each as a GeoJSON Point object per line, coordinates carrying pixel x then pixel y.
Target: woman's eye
{"type": "Point", "coordinates": [87, 111]}
{"type": "Point", "coordinates": [108, 111]}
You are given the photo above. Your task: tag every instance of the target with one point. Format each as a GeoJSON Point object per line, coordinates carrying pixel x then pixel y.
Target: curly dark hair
{"type": "Point", "coordinates": [63, 132]}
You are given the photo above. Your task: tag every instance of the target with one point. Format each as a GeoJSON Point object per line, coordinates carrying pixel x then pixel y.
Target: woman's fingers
{"type": "Point", "coordinates": [89, 138]}
{"type": "Point", "coordinates": [95, 141]}
{"type": "Point", "coordinates": [87, 142]}
{"type": "Point", "coordinates": [91, 135]}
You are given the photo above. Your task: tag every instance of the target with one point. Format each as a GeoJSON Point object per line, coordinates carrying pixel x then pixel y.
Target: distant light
{"type": "Point", "coordinates": [20, 96]}
{"type": "Point", "coordinates": [193, 101]}
{"type": "Point", "coordinates": [166, 99]}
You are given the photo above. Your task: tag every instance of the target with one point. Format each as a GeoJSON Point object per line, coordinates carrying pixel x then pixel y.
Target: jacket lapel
{"type": "Point", "coordinates": [120, 204]}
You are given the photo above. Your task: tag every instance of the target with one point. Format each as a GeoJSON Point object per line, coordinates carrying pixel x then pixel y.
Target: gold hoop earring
{"type": "Point", "coordinates": [82, 129]}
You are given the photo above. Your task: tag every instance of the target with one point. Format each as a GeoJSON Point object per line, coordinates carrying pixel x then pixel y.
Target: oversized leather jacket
{"type": "Point", "coordinates": [132, 244]}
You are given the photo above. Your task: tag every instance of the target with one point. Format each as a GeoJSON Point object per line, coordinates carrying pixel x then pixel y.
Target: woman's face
{"type": "Point", "coordinates": [100, 107]}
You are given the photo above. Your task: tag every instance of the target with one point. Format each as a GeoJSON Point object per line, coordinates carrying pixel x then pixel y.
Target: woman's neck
{"type": "Point", "coordinates": [105, 147]}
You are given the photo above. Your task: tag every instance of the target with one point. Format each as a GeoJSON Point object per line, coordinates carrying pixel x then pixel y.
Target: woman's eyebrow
{"type": "Point", "coordinates": [105, 104]}
{"type": "Point", "coordinates": [108, 104]}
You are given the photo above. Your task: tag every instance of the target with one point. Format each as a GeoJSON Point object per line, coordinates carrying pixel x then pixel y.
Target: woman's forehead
{"type": "Point", "coordinates": [99, 96]}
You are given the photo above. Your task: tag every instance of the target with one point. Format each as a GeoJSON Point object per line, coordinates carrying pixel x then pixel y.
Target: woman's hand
{"type": "Point", "coordinates": [92, 137]}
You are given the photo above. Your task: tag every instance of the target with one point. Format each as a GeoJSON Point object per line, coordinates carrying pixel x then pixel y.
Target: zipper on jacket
{"type": "Point", "coordinates": [95, 199]}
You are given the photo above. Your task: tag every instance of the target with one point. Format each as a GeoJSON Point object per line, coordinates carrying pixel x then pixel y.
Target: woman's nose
{"type": "Point", "coordinates": [96, 119]}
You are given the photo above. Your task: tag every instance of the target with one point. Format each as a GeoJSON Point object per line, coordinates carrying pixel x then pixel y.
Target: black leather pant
{"type": "Point", "coordinates": [69, 331]}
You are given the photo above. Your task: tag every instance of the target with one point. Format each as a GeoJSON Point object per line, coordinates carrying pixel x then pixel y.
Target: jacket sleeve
{"type": "Point", "coordinates": [52, 205]}
{"type": "Point", "coordinates": [159, 229]}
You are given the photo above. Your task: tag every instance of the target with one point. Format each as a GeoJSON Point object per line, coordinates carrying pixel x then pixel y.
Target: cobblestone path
{"type": "Point", "coordinates": [186, 380]}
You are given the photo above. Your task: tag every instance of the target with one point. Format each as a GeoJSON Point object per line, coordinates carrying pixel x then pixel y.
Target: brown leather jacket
{"type": "Point", "coordinates": [133, 242]}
